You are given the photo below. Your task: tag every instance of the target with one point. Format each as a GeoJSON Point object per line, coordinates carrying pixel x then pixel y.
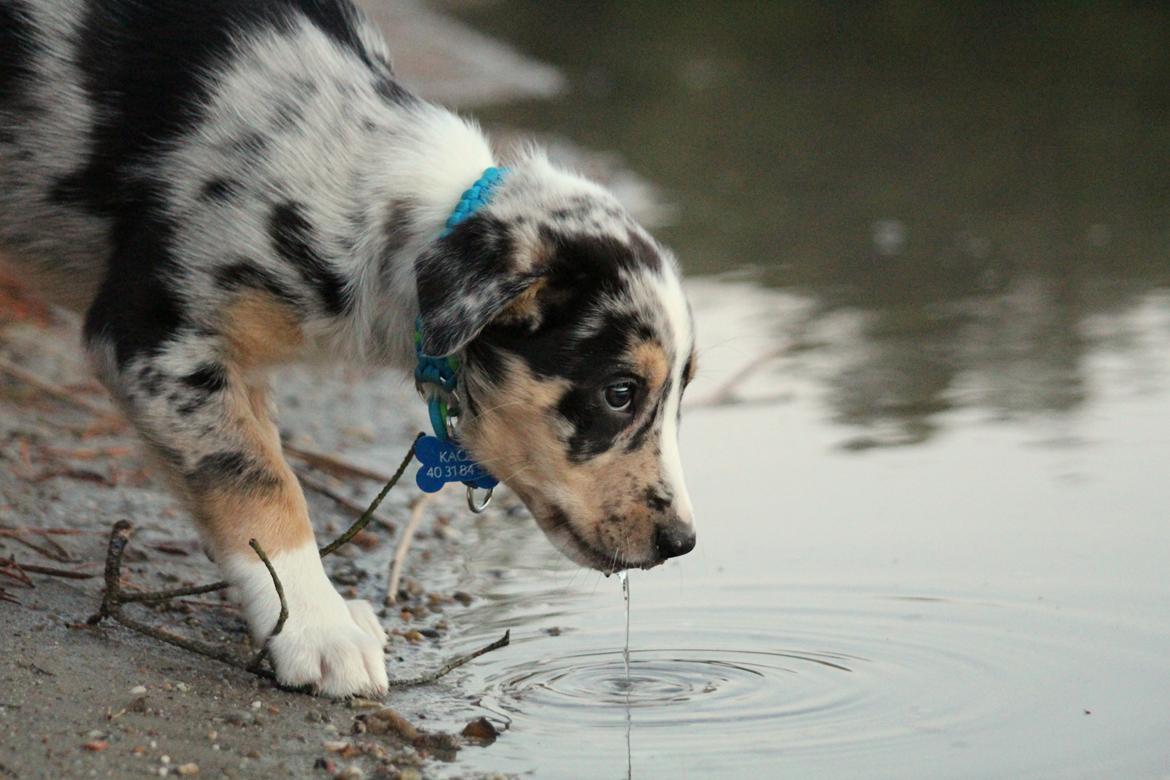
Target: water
{"type": "Point", "coordinates": [933, 512]}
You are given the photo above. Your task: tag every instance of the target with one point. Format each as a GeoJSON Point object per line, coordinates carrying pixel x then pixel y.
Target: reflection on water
{"type": "Point", "coordinates": [974, 182]}
{"type": "Point", "coordinates": [939, 226]}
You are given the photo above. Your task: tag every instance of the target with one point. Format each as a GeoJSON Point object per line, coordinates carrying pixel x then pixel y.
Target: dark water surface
{"type": "Point", "coordinates": [933, 520]}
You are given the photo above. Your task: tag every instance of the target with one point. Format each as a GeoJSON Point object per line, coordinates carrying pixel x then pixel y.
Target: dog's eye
{"type": "Point", "coordinates": [620, 395]}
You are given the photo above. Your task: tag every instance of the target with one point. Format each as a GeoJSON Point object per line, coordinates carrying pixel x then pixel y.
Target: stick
{"type": "Point", "coordinates": [353, 507]}
{"type": "Point", "coordinates": [335, 465]}
{"type": "Point", "coordinates": [364, 520]}
{"type": "Point", "coordinates": [49, 571]}
{"type": "Point", "coordinates": [55, 552]}
{"type": "Point", "coordinates": [31, 379]}
{"type": "Point", "coordinates": [262, 653]}
{"type": "Point", "coordinates": [453, 664]}
{"type": "Point", "coordinates": [416, 513]}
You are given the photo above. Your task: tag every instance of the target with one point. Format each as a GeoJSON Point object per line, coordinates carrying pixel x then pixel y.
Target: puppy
{"type": "Point", "coordinates": [223, 186]}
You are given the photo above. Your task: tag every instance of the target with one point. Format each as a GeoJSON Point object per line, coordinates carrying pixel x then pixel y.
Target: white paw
{"type": "Point", "coordinates": [332, 653]}
{"type": "Point", "coordinates": [327, 643]}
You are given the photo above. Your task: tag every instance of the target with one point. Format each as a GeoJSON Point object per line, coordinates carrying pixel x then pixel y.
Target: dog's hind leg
{"type": "Point", "coordinates": [198, 396]}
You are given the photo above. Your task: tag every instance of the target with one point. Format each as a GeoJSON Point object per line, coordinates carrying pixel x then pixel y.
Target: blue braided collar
{"type": "Point", "coordinates": [474, 198]}
{"type": "Point", "coordinates": [442, 372]}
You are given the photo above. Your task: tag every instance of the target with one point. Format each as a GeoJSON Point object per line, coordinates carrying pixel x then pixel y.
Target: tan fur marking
{"type": "Point", "coordinates": [276, 515]}
{"type": "Point", "coordinates": [535, 462]}
{"type": "Point", "coordinates": [261, 331]}
{"type": "Point", "coordinates": [651, 361]}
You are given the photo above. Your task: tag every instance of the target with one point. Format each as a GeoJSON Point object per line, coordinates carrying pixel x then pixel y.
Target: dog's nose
{"type": "Point", "coordinates": [674, 539]}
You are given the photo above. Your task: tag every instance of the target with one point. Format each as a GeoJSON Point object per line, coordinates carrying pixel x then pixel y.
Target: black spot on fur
{"type": "Point", "coordinates": [245, 275]}
{"type": "Point", "coordinates": [231, 469]}
{"type": "Point", "coordinates": [16, 47]}
{"type": "Point", "coordinates": [207, 379]}
{"type": "Point", "coordinates": [150, 379]}
{"type": "Point", "coordinates": [658, 501]}
{"type": "Point", "coordinates": [464, 281]}
{"type": "Point", "coordinates": [220, 189]}
{"type": "Point", "coordinates": [391, 91]}
{"type": "Point", "coordinates": [146, 69]}
{"type": "Point", "coordinates": [136, 309]}
{"type": "Point", "coordinates": [294, 239]}
{"type": "Point", "coordinates": [250, 145]}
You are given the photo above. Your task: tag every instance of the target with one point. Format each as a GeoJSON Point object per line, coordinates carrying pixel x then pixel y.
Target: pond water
{"type": "Point", "coordinates": [929, 255]}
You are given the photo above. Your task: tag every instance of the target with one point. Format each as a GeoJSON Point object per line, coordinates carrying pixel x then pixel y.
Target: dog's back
{"type": "Point", "coordinates": [108, 115]}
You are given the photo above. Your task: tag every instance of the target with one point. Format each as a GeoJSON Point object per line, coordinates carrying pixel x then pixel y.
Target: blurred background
{"type": "Point", "coordinates": [978, 180]}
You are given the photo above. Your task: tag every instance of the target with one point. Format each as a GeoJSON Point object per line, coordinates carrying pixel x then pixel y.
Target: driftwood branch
{"type": "Point", "coordinates": [114, 598]}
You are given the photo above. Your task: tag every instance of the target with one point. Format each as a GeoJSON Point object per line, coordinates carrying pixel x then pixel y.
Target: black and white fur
{"type": "Point", "coordinates": [226, 185]}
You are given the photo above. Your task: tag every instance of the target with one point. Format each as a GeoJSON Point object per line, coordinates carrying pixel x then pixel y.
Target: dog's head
{"type": "Point", "coordinates": [577, 343]}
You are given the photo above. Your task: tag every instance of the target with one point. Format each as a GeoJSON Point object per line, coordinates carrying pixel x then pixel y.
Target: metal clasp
{"type": "Point", "coordinates": [478, 507]}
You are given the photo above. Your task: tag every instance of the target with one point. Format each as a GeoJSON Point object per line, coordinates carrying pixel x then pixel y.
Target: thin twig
{"type": "Point", "coordinates": [416, 514]}
{"type": "Point", "coordinates": [453, 664]}
{"type": "Point", "coordinates": [262, 653]}
{"type": "Point", "coordinates": [346, 503]}
{"type": "Point", "coordinates": [49, 571]}
{"type": "Point", "coordinates": [52, 551]}
{"type": "Point", "coordinates": [335, 465]}
{"type": "Point", "coordinates": [31, 379]}
{"type": "Point", "coordinates": [364, 520]}
{"type": "Point", "coordinates": [14, 571]}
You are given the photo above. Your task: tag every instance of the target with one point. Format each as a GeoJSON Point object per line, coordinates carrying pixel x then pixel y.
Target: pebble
{"type": "Point", "coordinates": [351, 772]}
{"type": "Point", "coordinates": [138, 690]}
{"type": "Point", "coordinates": [481, 730]}
{"type": "Point", "coordinates": [189, 770]}
{"type": "Point", "coordinates": [183, 687]}
{"type": "Point", "coordinates": [256, 705]}
{"type": "Point", "coordinates": [96, 746]}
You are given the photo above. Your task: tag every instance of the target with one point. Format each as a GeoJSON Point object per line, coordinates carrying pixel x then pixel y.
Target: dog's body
{"type": "Point", "coordinates": [226, 185]}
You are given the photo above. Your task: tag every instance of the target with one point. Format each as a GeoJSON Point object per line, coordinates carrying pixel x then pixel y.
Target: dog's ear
{"type": "Point", "coordinates": [478, 272]}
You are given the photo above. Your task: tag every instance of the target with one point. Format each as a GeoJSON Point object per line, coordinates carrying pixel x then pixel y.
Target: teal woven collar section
{"type": "Point", "coordinates": [474, 198]}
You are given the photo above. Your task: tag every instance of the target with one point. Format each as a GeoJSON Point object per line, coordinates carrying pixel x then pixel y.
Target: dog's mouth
{"type": "Point", "coordinates": [569, 541]}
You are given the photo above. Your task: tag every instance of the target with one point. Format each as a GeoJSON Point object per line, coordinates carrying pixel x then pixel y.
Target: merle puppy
{"type": "Point", "coordinates": [223, 186]}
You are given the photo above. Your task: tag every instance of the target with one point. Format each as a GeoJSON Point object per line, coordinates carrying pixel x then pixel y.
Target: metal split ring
{"type": "Point", "coordinates": [475, 506]}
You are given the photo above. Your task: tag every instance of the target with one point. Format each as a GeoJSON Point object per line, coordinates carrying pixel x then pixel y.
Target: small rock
{"type": "Point", "coordinates": [351, 772]}
{"type": "Point", "coordinates": [462, 597]}
{"type": "Point", "coordinates": [189, 770]}
{"type": "Point", "coordinates": [138, 690]}
{"type": "Point", "coordinates": [96, 745]}
{"type": "Point", "coordinates": [325, 764]}
{"type": "Point", "coordinates": [387, 721]}
{"type": "Point", "coordinates": [334, 746]}
{"type": "Point", "coordinates": [410, 773]}
{"type": "Point", "coordinates": [182, 687]}
{"type": "Point", "coordinates": [256, 705]}
{"type": "Point", "coordinates": [481, 730]}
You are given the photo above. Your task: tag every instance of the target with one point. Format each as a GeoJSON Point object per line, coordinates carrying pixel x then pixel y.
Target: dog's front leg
{"type": "Point", "coordinates": [209, 423]}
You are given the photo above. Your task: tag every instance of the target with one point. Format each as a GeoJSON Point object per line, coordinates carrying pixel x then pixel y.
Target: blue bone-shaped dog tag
{"type": "Point", "coordinates": [443, 462]}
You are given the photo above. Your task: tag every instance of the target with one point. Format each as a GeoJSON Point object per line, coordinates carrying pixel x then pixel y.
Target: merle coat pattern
{"type": "Point", "coordinates": [222, 186]}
